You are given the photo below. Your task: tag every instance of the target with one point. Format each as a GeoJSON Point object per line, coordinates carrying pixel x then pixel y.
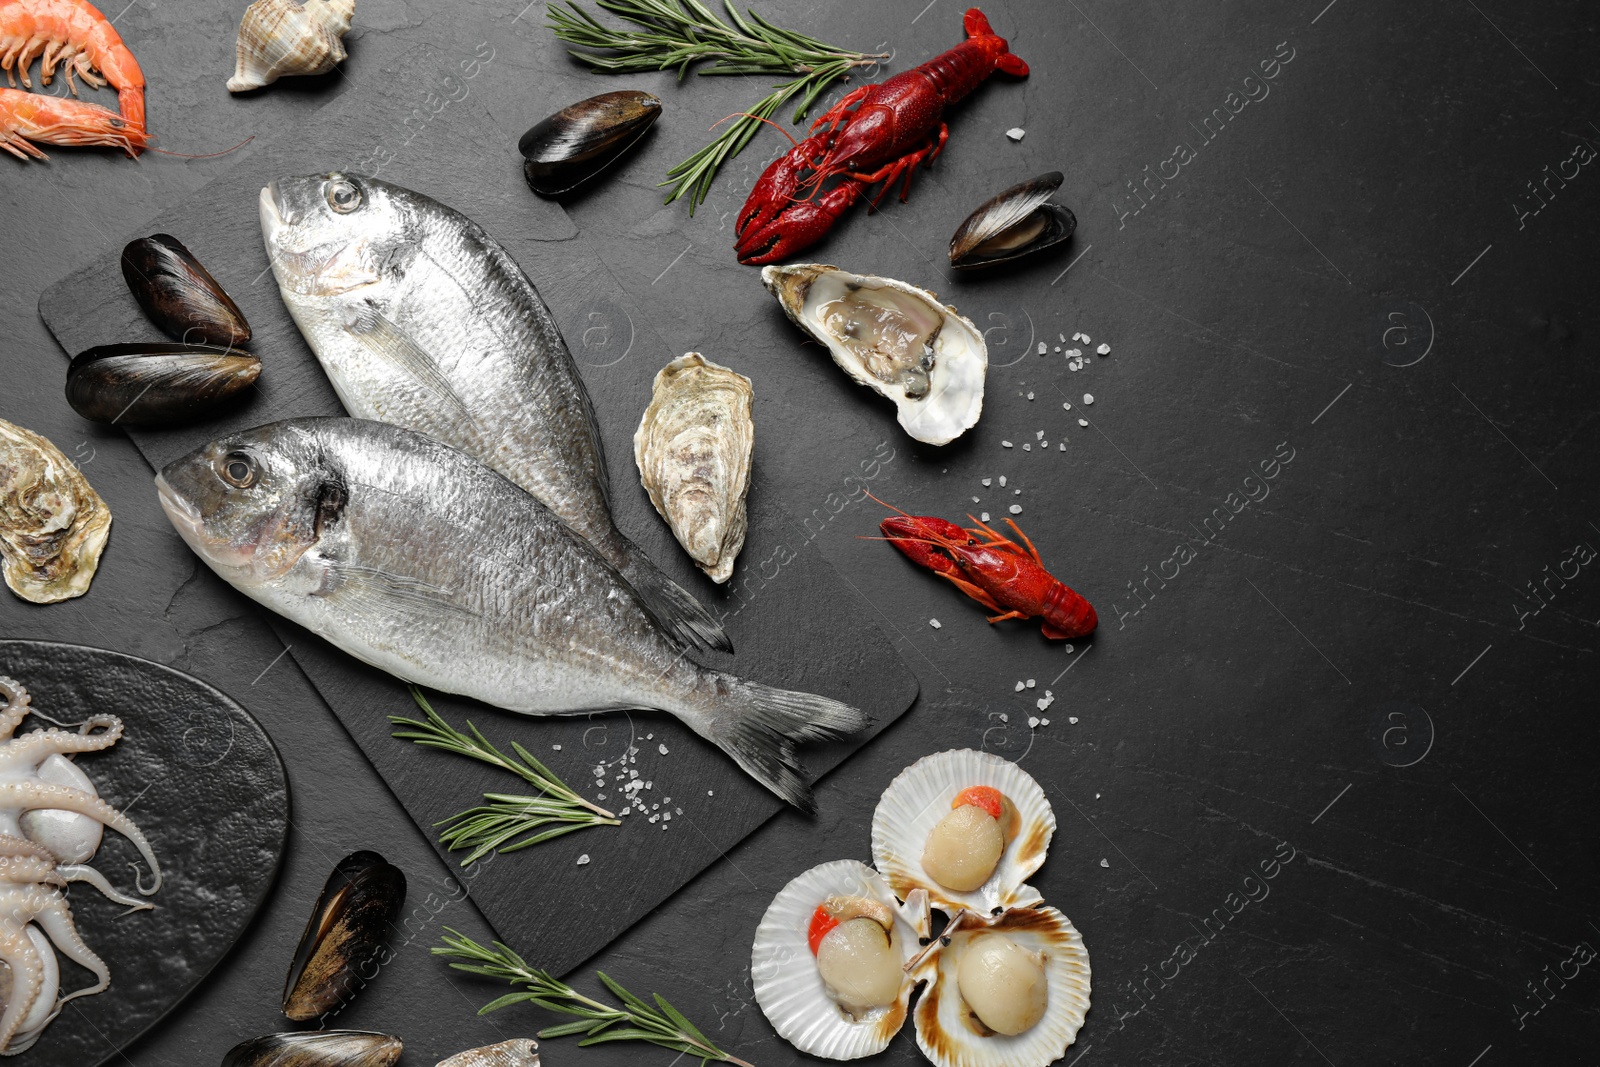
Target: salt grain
{"type": "Point", "coordinates": [1043, 348]}
{"type": "Point", "coordinates": [1002, 481]}
{"type": "Point", "coordinates": [583, 859]}
{"type": "Point", "coordinates": [984, 516]}
{"type": "Point", "coordinates": [1030, 395]}
{"type": "Point", "coordinates": [1027, 448]}
{"type": "Point", "coordinates": [1062, 446]}
{"type": "Point", "coordinates": [1020, 686]}
{"type": "Point", "coordinates": [1105, 862]}
{"type": "Point", "coordinates": [1104, 349]}
{"type": "Point", "coordinates": [1004, 717]}
{"type": "Point", "coordinates": [934, 623]}
{"type": "Point", "coordinates": [1076, 336]}
{"type": "Point", "coordinates": [662, 749]}
{"type": "Point", "coordinates": [1033, 722]}
{"type": "Point", "coordinates": [1016, 492]}
{"type": "Point", "coordinates": [1016, 133]}
{"type": "Point", "coordinates": [1005, 444]}
{"type": "Point", "coordinates": [555, 748]}
{"type": "Point", "coordinates": [1073, 719]}
{"type": "Point", "coordinates": [711, 792]}
{"type": "Point", "coordinates": [1066, 405]}
{"type": "Point", "coordinates": [1088, 399]}
{"type": "Point", "coordinates": [1044, 722]}
{"type": "Point", "coordinates": [1016, 509]}
{"type": "Point", "coordinates": [986, 482]}
{"type": "Point", "coordinates": [974, 500]}
{"type": "Point", "coordinates": [1030, 683]}
{"type": "Point", "coordinates": [1083, 422]}
{"type": "Point", "coordinates": [1085, 338]}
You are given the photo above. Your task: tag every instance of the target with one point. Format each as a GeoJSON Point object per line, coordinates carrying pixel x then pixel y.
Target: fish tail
{"type": "Point", "coordinates": [759, 726]}
{"type": "Point", "coordinates": [673, 606]}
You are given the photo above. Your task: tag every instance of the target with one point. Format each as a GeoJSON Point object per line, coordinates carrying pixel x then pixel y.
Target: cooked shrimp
{"type": "Point", "coordinates": [28, 117]}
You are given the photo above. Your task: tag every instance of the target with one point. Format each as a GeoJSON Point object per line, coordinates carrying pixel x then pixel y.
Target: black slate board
{"type": "Point", "coordinates": [199, 776]}
{"type": "Point", "coordinates": [804, 628]}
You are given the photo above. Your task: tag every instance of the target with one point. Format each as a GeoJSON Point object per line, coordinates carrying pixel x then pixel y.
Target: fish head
{"type": "Point", "coordinates": [331, 234]}
{"type": "Point", "coordinates": [253, 503]}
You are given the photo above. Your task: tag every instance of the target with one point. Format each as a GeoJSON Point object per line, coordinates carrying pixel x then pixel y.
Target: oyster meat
{"type": "Point", "coordinates": [693, 449]}
{"type": "Point", "coordinates": [53, 525]}
{"type": "Point", "coordinates": [895, 339]}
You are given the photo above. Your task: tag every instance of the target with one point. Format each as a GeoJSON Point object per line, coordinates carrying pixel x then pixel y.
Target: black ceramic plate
{"type": "Point", "coordinates": [205, 784]}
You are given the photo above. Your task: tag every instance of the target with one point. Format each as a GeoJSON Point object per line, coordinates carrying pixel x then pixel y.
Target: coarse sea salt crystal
{"type": "Point", "coordinates": [935, 623]}
{"type": "Point", "coordinates": [662, 749]}
{"type": "Point", "coordinates": [1002, 481]}
{"type": "Point", "coordinates": [1066, 405]}
{"type": "Point", "coordinates": [1043, 348]}
{"type": "Point", "coordinates": [711, 792]}
{"type": "Point", "coordinates": [1104, 349]}
{"type": "Point", "coordinates": [1073, 719]}
{"type": "Point", "coordinates": [1038, 435]}
{"type": "Point", "coordinates": [1033, 722]}
{"type": "Point", "coordinates": [1088, 399]}
{"type": "Point", "coordinates": [974, 500]}
{"type": "Point", "coordinates": [1004, 717]}
{"type": "Point", "coordinates": [1005, 444]}
{"type": "Point", "coordinates": [1030, 394]}
{"type": "Point", "coordinates": [1044, 722]}
{"type": "Point", "coordinates": [1016, 509]}
{"type": "Point", "coordinates": [1062, 446]}
{"type": "Point", "coordinates": [1083, 422]}
{"type": "Point", "coordinates": [583, 859]}
{"type": "Point", "coordinates": [1105, 862]}
{"type": "Point", "coordinates": [1085, 338]}
{"type": "Point", "coordinates": [1030, 683]}
{"type": "Point", "coordinates": [1020, 685]}
{"type": "Point", "coordinates": [555, 748]}
{"type": "Point", "coordinates": [1016, 133]}
{"type": "Point", "coordinates": [1027, 448]}
{"type": "Point", "coordinates": [1016, 492]}
{"type": "Point", "coordinates": [986, 482]}
{"type": "Point", "coordinates": [984, 516]}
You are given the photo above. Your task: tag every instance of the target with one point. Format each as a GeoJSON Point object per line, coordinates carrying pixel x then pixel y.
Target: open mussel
{"type": "Point", "coordinates": [342, 946]}
{"type": "Point", "coordinates": [156, 384]}
{"type": "Point", "coordinates": [179, 295]}
{"type": "Point", "coordinates": [578, 142]}
{"type": "Point", "coordinates": [316, 1048]}
{"type": "Point", "coordinates": [1016, 223]}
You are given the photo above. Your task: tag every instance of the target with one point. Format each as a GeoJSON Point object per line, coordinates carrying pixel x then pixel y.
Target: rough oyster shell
{"type": "Point", "coordinates": [921, 796]}
{"type": "Point", "coordinates": [348, 926]}
{"type": "Point", "coordinates": [930, 360]}
{"type": "Point", "coordinates": [518, 1052]}
{"type": "Point", "coordinates": [279, 37]}
{"type": "Point", "coordinates": [53, 525]}
{"type": "Point", "coordinates": [1015, 223]}
{"type": "Point", "coordinates": [951, 1036]}
{"type": "Point", "coordinates": [693, 449]}
{"type": "Point", "coordinates": [787, 983]}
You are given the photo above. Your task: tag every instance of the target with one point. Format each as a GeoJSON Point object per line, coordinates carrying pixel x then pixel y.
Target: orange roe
{"type": "Point", "coordinates": [821, 923]}
{"type": "Point", "coordinates": [981, 796]}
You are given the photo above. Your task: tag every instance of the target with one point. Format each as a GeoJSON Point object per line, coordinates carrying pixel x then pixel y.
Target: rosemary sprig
{"type": "Point", "coordinates": [659, 1023]}
{"type": "Point", "coordinates": [676, 34]}
{"type": "Point", "coordinates": [504, 817]}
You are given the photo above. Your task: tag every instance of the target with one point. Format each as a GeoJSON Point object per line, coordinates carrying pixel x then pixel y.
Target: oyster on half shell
{"type": "Point", "coordinates": [53, 525]}
{"type": "Point", "coordinates": [693, 449]}
{"type": "Point", "coordinates": [894, 338]}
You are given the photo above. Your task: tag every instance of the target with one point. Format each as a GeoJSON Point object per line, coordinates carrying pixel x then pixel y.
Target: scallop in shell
{"type": "Point", "coordinates": [693, 449]}
{"type": "Point", "coordinates": [53, 525]}
{"type": "Point", "coordinates": [920, 824]}
{"type": "Point", "coordinates": [893, 338]}
{"type": "Point", "coordinates": [280, 37]}
{"type": "Point", "coordinates": [1013, 224]}
{"type": "Point", "coordinates": [788, 976]}
{"type": "Point", "coordinates": [1026, 971]}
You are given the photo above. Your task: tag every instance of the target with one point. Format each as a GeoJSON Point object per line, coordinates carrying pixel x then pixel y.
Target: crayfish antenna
{"type": "Point", "coordinates": [891, 507]}
{"type": "Point", "coordinates": [758, 118]}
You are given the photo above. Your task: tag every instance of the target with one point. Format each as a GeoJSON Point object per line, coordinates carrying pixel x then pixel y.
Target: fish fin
{"type": "Point", "coordinates": [672, 606]}
{"type": "Point", "coordinates": [381, 592]}
{"type": "Point", "coordinates": [384, 336]}
{"type": "Point", "coordinates": [759, 727]}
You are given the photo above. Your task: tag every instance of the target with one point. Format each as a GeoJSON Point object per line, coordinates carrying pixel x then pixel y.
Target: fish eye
{"type": "Point", "coordinates": [343, 196]}
{"type": "Point", "coordinates": [238, 469]}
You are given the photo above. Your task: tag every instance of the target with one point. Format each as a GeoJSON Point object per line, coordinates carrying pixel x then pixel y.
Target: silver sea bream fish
{"type": "Point", "coordinates": [419, 560]}
{"type": "Point", "coordinates": [422, 320]}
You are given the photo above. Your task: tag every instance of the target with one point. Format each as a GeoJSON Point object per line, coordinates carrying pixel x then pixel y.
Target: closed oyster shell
{"type": "Point", "coordinates": [693, 449]}
{"type": "Point", "coordinates": [179, 295]}
{"type": "Point", "coordinates": [53, 525]}
{"type": "Point", "coordinates": [282, 37]}
{"type": "Point", "coordinates": [922, 794]}
{"type": "Point", "coordinates": [1015, 223]}
{"type": "Point", "coordinates": [893, 338]}
{"type": "Point", "coordinates": [316, 1048]}
{"type": "Point", "coordinates": [568, 148]}
{"type": "Point", "coordinates": [788, 984]}
{"type": "Point", "coordinates": [949, 1033]}
{"type": "Point", "coordinates": [518, 1052]}
{"type": "Point", "coordinates": [344, 935]}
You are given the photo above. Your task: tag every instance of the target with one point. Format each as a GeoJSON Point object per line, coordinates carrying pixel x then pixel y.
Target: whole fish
{"type": "Point", "coordinates": [422, 320]}
{"type": "Point", "coordinates": [421, 561]}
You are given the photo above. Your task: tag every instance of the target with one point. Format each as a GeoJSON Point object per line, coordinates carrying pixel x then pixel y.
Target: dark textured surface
{"type": "Point", "coordinates": [1399, 542]}
{"type": "Point", "coordinates": [200, 777]}
{"type": "Point", "coordinates": [788, 639]}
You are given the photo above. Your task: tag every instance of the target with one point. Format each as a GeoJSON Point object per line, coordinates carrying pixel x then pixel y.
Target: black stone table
{"type": "Point", "coordinates": [1324, 777]}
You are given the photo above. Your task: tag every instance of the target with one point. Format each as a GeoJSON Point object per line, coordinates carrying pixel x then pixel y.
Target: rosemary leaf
{"type": "Point", "coordinates": [506, 821]}
{"type": "Point", "coordinates": [658, 1024]}
{"type": "Point", "coordinates": [677, 34]}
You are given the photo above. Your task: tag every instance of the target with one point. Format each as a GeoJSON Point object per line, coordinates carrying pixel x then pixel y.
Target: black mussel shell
{"type": "Point", "coordinates": [156, 384]}
{"type": "Point", "coordinates": [578, 142]}
{"type": "Point", "coordinates": [1013, 224]}
{"type": "Point", "coordinates": [316, 1048]}
{"type": "Point", "coordinates": [343, 944]}
{"type": "Point", "coordinates": [179, 295]}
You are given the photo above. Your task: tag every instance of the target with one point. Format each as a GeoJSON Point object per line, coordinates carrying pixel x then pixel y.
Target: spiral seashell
{"type": "Point", "coordinates": [279, 37]}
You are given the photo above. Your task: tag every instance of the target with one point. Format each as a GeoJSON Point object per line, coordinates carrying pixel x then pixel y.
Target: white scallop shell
{"type": "Point", "coordinates": [915, 802]}
{"type": "Point", "coordinates": [279, 37]}
{"type": "Point", "coordinates": [948, 1034]}
{"type": "Point", "coordinates": [952, 399]}
{"type": "Point", "coordinates": [788, 985]}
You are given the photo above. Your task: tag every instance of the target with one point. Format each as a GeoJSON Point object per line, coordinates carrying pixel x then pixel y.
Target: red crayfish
{"type": "Point", "coordinates": [996, 572]}
{"type": "Point", "coordinates": [895, 125]}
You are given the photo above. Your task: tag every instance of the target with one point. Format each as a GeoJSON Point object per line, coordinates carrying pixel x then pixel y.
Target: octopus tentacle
{"type": "Point", "coordinates": [34, 795]}
{"type": "Point", "coordinates": [55, 918]}
{"type": "Point", "coordinates": [13, 705]}
{"type": "Point", "coordinates": [28, 870]}
{"type": "Point", "coordinates": [82, 872]}
{"type": "Point", "coordinates": [12, 845]}
{"type": "Point", "coordinates": [27, 973]}
{"type": "Point", "coordinates": [34, 747]}
{"type": "Point", "coordinates": [46, 1006]}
